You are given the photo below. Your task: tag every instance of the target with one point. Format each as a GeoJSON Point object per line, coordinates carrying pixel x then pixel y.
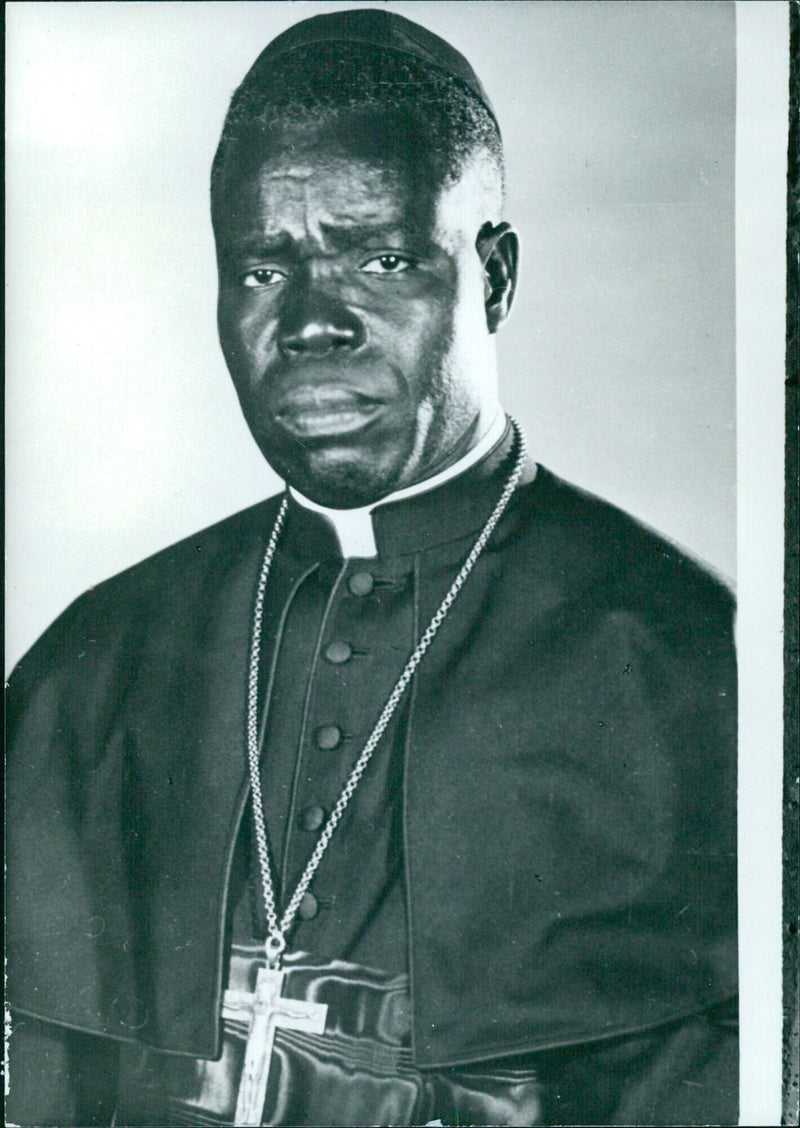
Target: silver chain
{"type": "Point", "coordinates": [277, 930]}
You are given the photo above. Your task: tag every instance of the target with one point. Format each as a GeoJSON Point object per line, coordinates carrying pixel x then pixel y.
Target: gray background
{"type": "Point", "coordinates": [123, 431]}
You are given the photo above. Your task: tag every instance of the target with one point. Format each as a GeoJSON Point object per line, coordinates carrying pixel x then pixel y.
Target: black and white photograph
{"type": "Point", "coordinates": [394, 556]}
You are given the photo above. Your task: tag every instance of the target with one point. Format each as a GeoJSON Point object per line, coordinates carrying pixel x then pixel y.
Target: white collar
{"type": "Point", "coordinates": [353, 527]}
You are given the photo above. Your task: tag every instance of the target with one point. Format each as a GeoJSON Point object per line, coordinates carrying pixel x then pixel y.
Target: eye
{"type": "Point", "coordinates": [387, 264]}
{"type": "Point", "coordinates": [262, 277]}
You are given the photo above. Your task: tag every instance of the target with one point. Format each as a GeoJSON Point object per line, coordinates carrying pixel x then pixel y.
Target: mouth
{"type": "Point", "coordinates": [316, 412]}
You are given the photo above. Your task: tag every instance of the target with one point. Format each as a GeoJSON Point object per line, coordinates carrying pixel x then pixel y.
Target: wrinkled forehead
{"type": "Point", "coordinates": [362, 163]}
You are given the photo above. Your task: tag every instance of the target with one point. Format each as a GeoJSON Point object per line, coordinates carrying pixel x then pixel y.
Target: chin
{"type": "Point", "coordinates": [341, 479]}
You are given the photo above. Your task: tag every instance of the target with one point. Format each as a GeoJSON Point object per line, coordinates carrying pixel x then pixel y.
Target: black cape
{"type": "Point", "coordinates": [569, 789]}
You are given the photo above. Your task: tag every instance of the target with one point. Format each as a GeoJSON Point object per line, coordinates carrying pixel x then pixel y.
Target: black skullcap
{"type": "Point", "coordinates": [377, 28]}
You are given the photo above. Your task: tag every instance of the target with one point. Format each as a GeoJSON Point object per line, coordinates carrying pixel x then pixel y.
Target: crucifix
{"type": "Point", "coordinates": [265, 1011]}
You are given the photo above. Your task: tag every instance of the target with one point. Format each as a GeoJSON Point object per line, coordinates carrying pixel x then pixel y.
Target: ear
{"type": "Point", "coordinates": [498, 248]}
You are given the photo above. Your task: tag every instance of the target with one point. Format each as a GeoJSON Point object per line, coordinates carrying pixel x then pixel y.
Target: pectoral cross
{"type": "Point", "coordinates": [265, 1011]}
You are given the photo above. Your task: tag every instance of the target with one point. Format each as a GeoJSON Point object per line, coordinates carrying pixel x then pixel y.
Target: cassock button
{"type": "Point", "coordinates": [309, 907]}
{"type": "Point", "coordinates": [311, 818]}
{"type": "Point", "coordinates": [338, 652]}
{"type": "Point", "coordinates": [360, 583]}
{"type": "Point", "coordinates": [328, 737]}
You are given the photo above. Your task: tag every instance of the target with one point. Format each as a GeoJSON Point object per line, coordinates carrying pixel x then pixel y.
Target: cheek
{"type": "Point", "coordinates": [245, 334]}
{"type": "Point", "coordinates": [419, 332]}
{"type": "Point", "coordinates": [471, 290]}
{"type": "Point", "coordinates": [470, 333]}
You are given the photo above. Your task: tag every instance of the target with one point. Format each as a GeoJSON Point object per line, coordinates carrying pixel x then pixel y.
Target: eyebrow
{"type": "Point", "coordinates": [259, 246]}
{"type": "Point", "coordinates": [349, 235]}
{"type": "Point", "coordinates": [343, 237]}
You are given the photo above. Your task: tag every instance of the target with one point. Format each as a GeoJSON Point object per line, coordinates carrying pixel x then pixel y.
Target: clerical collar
{"type": "Point", "coordinates": [354, 527]}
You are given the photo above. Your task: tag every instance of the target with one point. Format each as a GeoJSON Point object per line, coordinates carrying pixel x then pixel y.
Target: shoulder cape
{"type": "Point", "coordinates": [569, 809]}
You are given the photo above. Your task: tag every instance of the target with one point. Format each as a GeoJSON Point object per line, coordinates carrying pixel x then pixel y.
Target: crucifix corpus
{"type": "Point", "coordinates": [266, 1011]}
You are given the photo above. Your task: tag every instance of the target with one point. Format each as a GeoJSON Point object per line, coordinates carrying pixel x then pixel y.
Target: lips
{"type": "Point", "coordinates": [325, 410]}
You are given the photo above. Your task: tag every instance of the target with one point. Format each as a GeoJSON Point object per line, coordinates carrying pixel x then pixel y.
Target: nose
{"type": "Point", "coordinates": [317, 324]}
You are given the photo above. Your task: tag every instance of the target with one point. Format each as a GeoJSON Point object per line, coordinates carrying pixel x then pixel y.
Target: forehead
{"type": "Point", "coordinates": [353, 173]}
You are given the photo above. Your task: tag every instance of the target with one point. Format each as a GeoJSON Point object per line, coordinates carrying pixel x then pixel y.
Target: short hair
{"type": "Point", "coordinates": [313, 85]}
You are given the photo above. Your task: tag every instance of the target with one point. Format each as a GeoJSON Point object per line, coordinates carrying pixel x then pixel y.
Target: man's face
{"type": "Point", "coordinates": [351, 312]}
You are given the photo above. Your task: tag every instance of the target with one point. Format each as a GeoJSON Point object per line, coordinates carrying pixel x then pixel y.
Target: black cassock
{"type": "Point", "coordinates": [528, 912]}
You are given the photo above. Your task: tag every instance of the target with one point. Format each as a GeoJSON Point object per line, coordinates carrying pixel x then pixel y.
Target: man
{"type": "Point", "coordinates": [406, 796]}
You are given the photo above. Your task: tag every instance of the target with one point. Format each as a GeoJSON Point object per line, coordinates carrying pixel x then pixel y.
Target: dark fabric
{"type": "Point", "coordinates": [58, 1076]}
{"type": "Point", "coordinates": [680, 1074]}
{"type": "Point", "coordinates": [687, 1073]}
{"type": "Point", "coordinates": [358, 893]}
{"type": "Point", "coordinates": [360, 1071]}
{"type": "Point", "coordinates": [568, 780]}
{"type": "Point", "coordinates": [376, 28]}
{"type": "Point", "coordinates": [359, 902]}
